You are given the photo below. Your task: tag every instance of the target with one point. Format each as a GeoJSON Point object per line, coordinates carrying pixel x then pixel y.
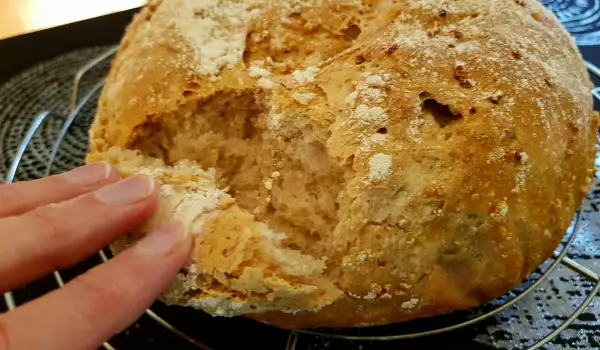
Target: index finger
{"type": "Point", "coordinates": [21, 197]}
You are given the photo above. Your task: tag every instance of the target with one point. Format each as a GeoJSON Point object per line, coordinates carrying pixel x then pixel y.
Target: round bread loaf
{"type": "Point", "coordinates": [352, 163]}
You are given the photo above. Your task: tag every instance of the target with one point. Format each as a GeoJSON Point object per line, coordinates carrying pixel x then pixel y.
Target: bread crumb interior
{"type": "Point", "coordinates": [288, 183]}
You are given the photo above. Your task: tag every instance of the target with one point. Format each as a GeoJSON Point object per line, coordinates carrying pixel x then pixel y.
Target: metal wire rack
{"type": "Point", "coordinates": [78, 101]}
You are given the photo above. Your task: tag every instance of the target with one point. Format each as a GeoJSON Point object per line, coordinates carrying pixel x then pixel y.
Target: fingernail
{"type": "Point", "coordinates": [89, 174]}
{"type": "Point", "coordinates": [128, 191]}
{"type": "Point", "coordinates": [163, 240]}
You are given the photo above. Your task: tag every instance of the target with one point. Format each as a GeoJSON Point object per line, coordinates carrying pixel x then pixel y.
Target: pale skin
{"type": "Point", "coordinates": [56, 222]}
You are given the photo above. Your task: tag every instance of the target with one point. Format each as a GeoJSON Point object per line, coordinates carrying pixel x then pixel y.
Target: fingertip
{"type": "Point", "coordinates": [114, 175]}
{"type": "Point", "coordinates": [87, 175]}
{"type": "Point", "coordinates": [129, 191]}
{"type": "Point", "coordinates": [170, 239]}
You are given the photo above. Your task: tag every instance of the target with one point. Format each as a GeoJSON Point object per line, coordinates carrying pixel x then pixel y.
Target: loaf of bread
{"type": "Point", "coordinates": [349, 163]}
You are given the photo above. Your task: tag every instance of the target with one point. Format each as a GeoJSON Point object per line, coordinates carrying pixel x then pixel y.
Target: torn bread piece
{"type": "Point", "coordinates": [239, 266]}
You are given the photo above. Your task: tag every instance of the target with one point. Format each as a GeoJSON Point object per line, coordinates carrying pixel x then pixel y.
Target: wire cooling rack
{"type": "Point", "coordinates": [67, 152]}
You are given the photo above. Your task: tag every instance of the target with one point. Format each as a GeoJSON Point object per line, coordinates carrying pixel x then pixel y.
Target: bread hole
{"type": "Point", "coordinates": [360, 59]}
{"type": "Point", "coordinates": [382, 131]}
{"type": "Point", "coordinates": [247, 54]}
{"type": "Point", "coordinates": [457, 34]}
{"type": "Point", "coordinates": [249, 129]}
{"type": "Point", "coordinates": [352, 32]}
{"type": "Point", "coordinates": [391, 49]}
{"type": "Point", "coordinates": [188, 93]}
{"type": "Point", "coordinates": [574, 128]}
{"type": "Point", "coordinates": [509, 135]}
{"type": "Point", "coordinates": [518, 157]}
{"type": "Point", "coordinates": [495, 99]}
{"type": "Point", "coordinates": [270, 209]}
{"type": "Point", "coordinates": [350, 160]}
{"type": "Point", "coordinates": [433, 32]}
{"type": "Point", "coordinates": [473, 110]}
{"type": "Point", "coordinates": [424, 96]}
{"type": "Point", "coordinates": [295, 21]}
{"type": "Point", "coordinates": [199, 12]}
{"type": "Point", "coordinates": [441, 113]}
{"type": "Point", "coordinates": [192, 85]}
{"type": "Point", "coordinates": [156, 146]}
{"type": "Point", "coordinates": [451, 249]}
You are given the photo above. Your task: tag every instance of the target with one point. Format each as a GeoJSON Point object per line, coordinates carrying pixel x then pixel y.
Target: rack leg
{"type": "Point", "coordinates": [292, 341]}
{"type": "Point", "coordinates": [582, 270]}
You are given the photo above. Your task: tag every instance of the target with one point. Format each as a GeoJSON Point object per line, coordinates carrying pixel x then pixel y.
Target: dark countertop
{"type": "Point", "coordinates": [20, 52]}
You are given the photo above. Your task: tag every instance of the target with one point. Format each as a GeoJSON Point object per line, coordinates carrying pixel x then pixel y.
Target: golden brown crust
{"type": "Point", "coordinates": [458, 136]}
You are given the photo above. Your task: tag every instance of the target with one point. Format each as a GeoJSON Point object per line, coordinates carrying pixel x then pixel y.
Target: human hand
{"type": "Point", "coordinates": [56, 222]}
